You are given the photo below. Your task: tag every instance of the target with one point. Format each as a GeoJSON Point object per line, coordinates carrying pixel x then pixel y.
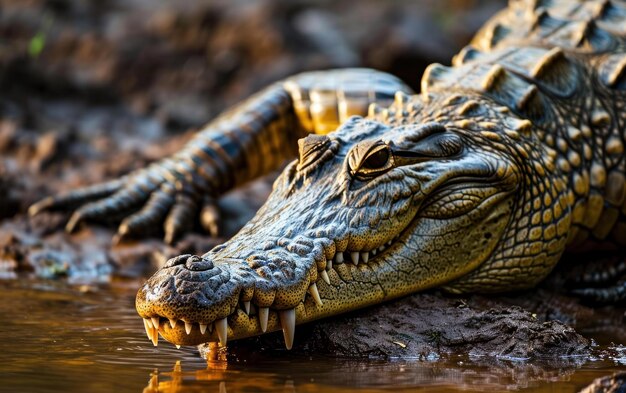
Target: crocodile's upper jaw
{"type": "Point", "coordinates": [342, 231]}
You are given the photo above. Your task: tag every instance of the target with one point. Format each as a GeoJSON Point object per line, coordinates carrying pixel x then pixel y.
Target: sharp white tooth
{"type": "Point", "coordinates": [222, 330]}
{"type": "Point", "coordinates": [316, 295]}
{"type": "Point", "coordinates": [325, 276]}
{"type": "Point", "coordinates": [329, 264]}
{"type": "Point", "coordinates": [188, 327]}
{"type": "Point", "coordinates": [155, 322]}
{"type": "Point", "coordinates": [365, 256]}
{"type": "Point", "coordinates": [288, 323]}
{"type": "Point", "coordinates": [148, 326]}
{"type": "Point", "coordinates": [374, 252]}
{"type": "Point", "coordinates": [355, 257]}
{"type": "Point", "coordinates": [381, 248]}
{"type": "Point", "coordinates": [177, 346]}
{"type": "Point", "coordinates": [203, 327]}
{"type": "Point", "coordinates": [151, 331]}
{"type": "Point", "coordinates": [264, 313]}
{"type": "Point", "coordinates": [246, 307]}
{"type": "Point", "coordinates": [173, 323]}
{"type": "Point", "coordinates": [389, 243]}
{"type": "Point", "coordinates": [339, 257]}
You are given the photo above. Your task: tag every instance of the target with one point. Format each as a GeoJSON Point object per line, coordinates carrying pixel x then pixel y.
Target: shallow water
{"type": "Point", "coordinates": [70, 338]}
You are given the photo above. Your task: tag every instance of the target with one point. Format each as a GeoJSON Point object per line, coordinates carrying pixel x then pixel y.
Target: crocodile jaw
{"type": "Point", "coordinates": [339, 286]}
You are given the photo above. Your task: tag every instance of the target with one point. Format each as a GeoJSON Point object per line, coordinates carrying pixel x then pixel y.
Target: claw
{"type": "Point", "coordinates": [210, 217]}
{"type": "Point", "coordinates": [76, 197]}
{"type": "Point", "coordinates": [40, 206]}
{"type": "Point", "coordinates": [73, 222]}
{"type": "Point", "coordinates": [121, 201]}
{"type": "Point", "coordinates": [179, 218]}
{"type": "Point", "coordinates": [150, 216]}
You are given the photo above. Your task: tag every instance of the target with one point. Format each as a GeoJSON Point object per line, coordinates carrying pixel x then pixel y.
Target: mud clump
{"type": "Point", "coordinates": [610, 384]}
{"type": "Point", "coordinates": [426, 326]}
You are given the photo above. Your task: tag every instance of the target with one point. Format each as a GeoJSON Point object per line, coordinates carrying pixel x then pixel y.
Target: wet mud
{"type": "Point", "coordinates": [430, 325]}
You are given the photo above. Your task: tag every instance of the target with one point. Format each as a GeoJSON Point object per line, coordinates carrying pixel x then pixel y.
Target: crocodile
{"type": "Point", "coordinates": [477, 184]}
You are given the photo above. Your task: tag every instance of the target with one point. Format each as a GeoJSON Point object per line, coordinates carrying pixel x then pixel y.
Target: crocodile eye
{"type": "Point", "coordinates": [370, 160]}
{"type": "Point", "coordinates": [376, 160]}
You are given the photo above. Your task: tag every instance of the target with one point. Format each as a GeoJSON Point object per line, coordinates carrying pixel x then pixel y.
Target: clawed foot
{"type": "Point", "coordinates": [147, 201]}
{"type": "Point", "coordinates": [602, 281]}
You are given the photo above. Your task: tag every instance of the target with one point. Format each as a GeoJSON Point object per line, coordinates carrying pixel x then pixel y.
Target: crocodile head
{"type": "Point", "coordinates": [371, 212]}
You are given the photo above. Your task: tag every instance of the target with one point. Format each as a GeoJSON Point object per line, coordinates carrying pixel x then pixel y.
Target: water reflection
{"type": "Point", "coordinates": [292, 374]}
{"type": "Point", "coordinates": [61, 338]}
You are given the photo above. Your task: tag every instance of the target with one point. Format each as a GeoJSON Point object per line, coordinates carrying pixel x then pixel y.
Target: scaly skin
{"type": "Point", "coordinates": [477, 185]}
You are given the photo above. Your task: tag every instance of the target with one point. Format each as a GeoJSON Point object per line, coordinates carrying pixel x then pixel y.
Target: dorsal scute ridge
{"type": "Point", "coordinates": [517, 77]}
{"type": "Point", "coordinates": [591, 26]}
{"type": "Point", "coordinates": [613, 71]}
{"type": "Point", "coordinates": [548, 62]}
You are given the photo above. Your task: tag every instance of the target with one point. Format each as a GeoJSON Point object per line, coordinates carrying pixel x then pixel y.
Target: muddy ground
{"type": "Point", "coordinates": [93, 90]}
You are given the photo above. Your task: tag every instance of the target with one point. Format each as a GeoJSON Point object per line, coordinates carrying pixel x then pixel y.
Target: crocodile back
{"type": "Point", "coordinates": [580, 26]}
{"type": "Point", "coordinates": [562, 65]}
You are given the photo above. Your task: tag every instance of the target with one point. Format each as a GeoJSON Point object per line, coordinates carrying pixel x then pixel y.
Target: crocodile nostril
{"type": "Point", "coordinates": [196, 263]}
{"type": "Point", "coordinates": [178, 260]}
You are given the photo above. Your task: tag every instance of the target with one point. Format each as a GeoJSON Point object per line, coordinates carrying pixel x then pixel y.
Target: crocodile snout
{"type": "Point", "coordinates": [195, 299]}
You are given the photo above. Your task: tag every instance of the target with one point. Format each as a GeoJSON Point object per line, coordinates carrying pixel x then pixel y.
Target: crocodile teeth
{"type": "Point", "coordinates": [288, 323]}
{"type": "Point", "coordinates": [148, 326]}
{"type": "Point", "coordinates": [263, 316]}
{"type": "Point", "coordinates": [246, 307]}
{"type": "Point", "coordinates": [316, 295]}
{"type": "Point", "coordinates": [329, 264]}
{"type": "Point", "coordinates": [381, 248]}
{"type": "Point", "coordinates": [203, 327]}
{"type": "Point", "coordinates": [151, 331]}
{"type": "Point", "coordinates": [365, 256]}
{"type": "Point", "coordinates": [355, 257]}
{"type": "Point", "coordinates": [155, 337]}
{"type": "Point", "coordinates": [188, 327]}
{"type": "Point", "coordinates": [155, 321]}
{"type": "Point", "coordinates": [374, 252]}
{"type": "Point", "coordinates": [222, 330]}
{"type": "Point", "coordinates": [339, 257]}
{"type": "Point", "coordinates": [177, 346]}
{"type": "Point", "coordinates": [325, 276]}
{"type": "Point", "coordinates": [389, 243]}
{"type": "Point", "coordinates": [172, 323]}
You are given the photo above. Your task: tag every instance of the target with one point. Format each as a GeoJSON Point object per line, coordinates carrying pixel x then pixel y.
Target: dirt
{"type": "Point", "coordinates": [430, 325]}
{"type": "Point", "coordinates": [93, 90]}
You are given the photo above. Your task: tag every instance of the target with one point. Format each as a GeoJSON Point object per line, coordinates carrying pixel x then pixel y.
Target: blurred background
{"type": "Point", "coordinates": [184, 61]}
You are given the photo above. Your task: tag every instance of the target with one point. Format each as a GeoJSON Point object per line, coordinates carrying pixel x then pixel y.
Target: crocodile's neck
{"type": "Point", "coordinates": [572, 98]}
{"type": "Point", "coordinates": [590, 149]}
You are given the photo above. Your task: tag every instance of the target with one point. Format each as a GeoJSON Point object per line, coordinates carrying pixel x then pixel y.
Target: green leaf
{"type": "Point", "coordinates": [36, 45]}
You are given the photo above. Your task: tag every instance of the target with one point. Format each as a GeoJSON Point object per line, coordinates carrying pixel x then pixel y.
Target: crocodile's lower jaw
{"type": "Point", "coordinates": [250, 321]}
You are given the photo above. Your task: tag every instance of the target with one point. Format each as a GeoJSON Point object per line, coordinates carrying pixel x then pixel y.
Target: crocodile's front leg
{"type": "Point", "coordinates": [245, 142]}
